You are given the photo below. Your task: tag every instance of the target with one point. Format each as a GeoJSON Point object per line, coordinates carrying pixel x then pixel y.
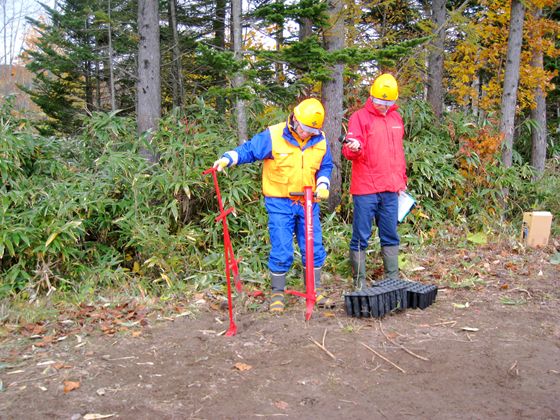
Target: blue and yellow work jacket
{"type": "Point", "coordinates": [289, 163]}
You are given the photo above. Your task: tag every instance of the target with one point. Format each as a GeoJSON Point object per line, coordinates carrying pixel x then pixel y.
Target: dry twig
{"type": "Point", "coordinates": [519, 289]}
{"type": "Point", "coordinates": [322, 347]}
{"type": "Point", "coordinates": [513, 369]}
{"type": "Point", "coordinates": [403, 347]}
{"type": "Point", "coordinates": [451, 323]}
{"type": "Point", "coordinates": [383, 357]}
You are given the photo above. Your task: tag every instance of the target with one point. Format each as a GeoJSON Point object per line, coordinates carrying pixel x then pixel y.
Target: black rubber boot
{"type": "Point", "coordinates": [390, 256]}
{"type": "Point", "coordinates": [358, 262]}
{"type": "Point", "coordinates": [278, 281]}
{"type": "Point", "coordinates": [322, 300]}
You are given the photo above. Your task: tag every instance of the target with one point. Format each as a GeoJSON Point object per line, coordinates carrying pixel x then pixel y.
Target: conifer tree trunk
{"type": "Point", "coordinates": [332, 94]}
{"type": "Point", "coordinates": [176, 68]}
{"type": "Point", "coordinates": [238, 79]}
{"type": "Point", "coordinates": [219, 24]}
{"type": "Point", "coordinates": [88, 40]}
{"type": "Point", "coordinates": [219, 28]}
{"type": "Point", "coordinates": [279, 38]}
{"type": "Point", "coordinates": [435, 59]}
{"type": "Point", "coordinates": [305, 29]}
{"type": "Point", "coordinates": [110, 59]}
{"type": "Point", "coordinates": [149, 80]}
{"type": "Point", "coordinates": [511, 79]}
{"type": "Point", "coordinates": [538, 114]}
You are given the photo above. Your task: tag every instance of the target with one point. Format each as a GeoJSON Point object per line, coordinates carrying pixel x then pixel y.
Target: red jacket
{"type": "Point", "coordinates": [379, 165]}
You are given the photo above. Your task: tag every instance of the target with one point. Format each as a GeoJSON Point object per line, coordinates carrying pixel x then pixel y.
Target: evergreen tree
{"type": "Point", "coordinates": [71, 60]}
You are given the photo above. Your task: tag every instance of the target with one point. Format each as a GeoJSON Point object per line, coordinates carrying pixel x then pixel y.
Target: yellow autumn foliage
{"type": "Point", "coordinates": [476, 66]}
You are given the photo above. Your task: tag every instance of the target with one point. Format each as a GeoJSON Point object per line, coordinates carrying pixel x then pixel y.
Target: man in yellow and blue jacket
{"type": "Point", "coordinates": [295, 154]}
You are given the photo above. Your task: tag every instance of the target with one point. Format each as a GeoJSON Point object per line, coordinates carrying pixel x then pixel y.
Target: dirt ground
{"type": "Point", "coordinates": [489, 347]}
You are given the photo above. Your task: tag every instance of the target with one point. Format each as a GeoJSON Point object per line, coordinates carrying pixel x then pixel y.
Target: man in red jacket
{"type": "Point", "coordinates": [374, 144]}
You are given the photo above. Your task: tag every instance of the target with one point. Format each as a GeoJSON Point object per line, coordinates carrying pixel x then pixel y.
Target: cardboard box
{"type": "Point", "coordinates": [536, 228]}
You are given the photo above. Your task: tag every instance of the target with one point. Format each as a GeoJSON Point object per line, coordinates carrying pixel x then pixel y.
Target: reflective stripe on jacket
{"type": "Point", "coordinates": [380, 165]}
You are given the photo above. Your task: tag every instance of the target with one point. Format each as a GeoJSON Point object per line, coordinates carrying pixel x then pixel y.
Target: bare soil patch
{"type": "Point", "coordinates": [489, 350]}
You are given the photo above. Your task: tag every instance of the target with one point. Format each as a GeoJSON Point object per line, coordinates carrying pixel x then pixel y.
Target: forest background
{"type": "Point", "coordinates": [114, 108]}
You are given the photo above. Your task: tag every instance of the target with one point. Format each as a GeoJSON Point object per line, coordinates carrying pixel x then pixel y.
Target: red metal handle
{"type": "Point", "coordinates": [230, 261]}
{"type": "Point", "coordinates": [309, 294]}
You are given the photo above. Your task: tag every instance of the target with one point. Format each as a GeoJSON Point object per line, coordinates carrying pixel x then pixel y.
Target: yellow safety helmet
{"type": "Point", "coordinates": [384, 90]}
{"type": "Point", "coordinates": [310, 114]}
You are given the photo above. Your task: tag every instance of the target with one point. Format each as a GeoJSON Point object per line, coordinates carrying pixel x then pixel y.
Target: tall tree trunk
{"type": "Point", "coordinates": [219, 28]}
{"type": "Point", "coordinates": [110, 59]}
{"type": "Point", "coordinates": [98, 79]}
{"type": "Point", "coordinates": [511, 79]}
{"type": "Point", "coordinates": [538, 114]}
{"type": "Point", "coordinates": [332, 94]}
{"type": "Point", "coordinates": [305, 28]}
{"type": "Point", "coordinates": [238, 79]}
{"type": "Point", "coordinates": [88, 68]}
{"type": "Point", "coordinates": [88, 85]}
{"type": "Point", "coordinates": [5, 33]}
{"type": "Point", "coordinates": [219, 25]}
{"type": "Point", "coordinates": [176, 68]}
{"type": "Point", "coordinates": [149, 80]}
{"type": "Point", "coordinates": [279, 38]}
{"type": "Point", "coordinates": [435, 59]}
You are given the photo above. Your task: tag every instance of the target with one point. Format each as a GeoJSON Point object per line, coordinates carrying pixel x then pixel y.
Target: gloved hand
{"type": "Point", "coordinates": [322, 192]}
{"type": "Point", "coordinates": [221, 163]}
{"type": "Point", "coordinates": [352, 144]}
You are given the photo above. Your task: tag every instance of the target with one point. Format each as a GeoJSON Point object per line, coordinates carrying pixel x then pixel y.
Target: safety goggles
{"type": "Point", "coordinates": [382, 102]}
{"type": "Point", "coordinates": [307, 129]}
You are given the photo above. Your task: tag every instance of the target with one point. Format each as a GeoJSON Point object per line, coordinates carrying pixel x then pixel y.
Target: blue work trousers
{"type": "Point", "coordinates": [286, 218]}
{"type": "Point", "coordinates": [381, 207]}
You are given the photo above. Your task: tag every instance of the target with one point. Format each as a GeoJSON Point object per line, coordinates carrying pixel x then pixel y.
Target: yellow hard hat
{"type": "Point", "coordinates": [310, 114]}
{"type": "Point", "coordinates": [385, 90]}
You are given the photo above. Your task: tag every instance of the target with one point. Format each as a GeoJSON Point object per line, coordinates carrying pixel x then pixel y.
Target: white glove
{"type": "Point", "coordinates": [221, 163]}
{"type": "Point", "coordinates": [322, 191]}
{"type": "Point", "coordinates": [353, 144]}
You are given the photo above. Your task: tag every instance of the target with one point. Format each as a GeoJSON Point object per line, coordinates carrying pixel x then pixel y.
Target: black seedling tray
{"type": "Point", "coordinates": [387, 296]}
{"type": "Point", "coordinates": [375, 301]}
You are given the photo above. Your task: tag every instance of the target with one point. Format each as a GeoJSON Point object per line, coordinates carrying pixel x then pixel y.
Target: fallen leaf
{"type": "Point", "coordinates": [70, 386]}
{"type": "Point", "coordinates": [242, 366]}
{"type": "Point", "coordinates": [46, 341]}
{"type": "Point", "coordinates": [504, 286]}
{"type": "Point", "coordinates": [60, 365]}
{"type": "Point", "coordinates": [94, 416]}
{"type": "Point", "coordinates": [392, 335]}
{"type": "Point", "coordinates": [478, 238]}
{"type": "Point", "coordinates": [282, 405]}
{"type": "Point", "coordinates": [136, 333]}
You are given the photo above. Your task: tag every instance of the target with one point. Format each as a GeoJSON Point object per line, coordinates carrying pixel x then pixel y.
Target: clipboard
{"type": "Point", "coordinates": [406, 204]}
